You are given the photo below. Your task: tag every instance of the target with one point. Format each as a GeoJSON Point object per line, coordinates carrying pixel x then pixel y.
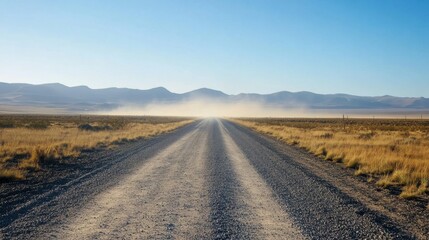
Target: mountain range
{"type": "Point", "coordinates": [85, 99]}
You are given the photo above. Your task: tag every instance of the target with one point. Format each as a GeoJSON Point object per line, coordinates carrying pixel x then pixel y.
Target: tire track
{"type": "Point", "coordinates": [164, 198]}
{"type": "Point", "coordinates": [266, 219]}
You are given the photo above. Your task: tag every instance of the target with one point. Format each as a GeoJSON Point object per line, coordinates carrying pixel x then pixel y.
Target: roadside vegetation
{"type": "Point", "coordinates": [389, 152]}
{"type": "Point", "coordinates": [27, 142]}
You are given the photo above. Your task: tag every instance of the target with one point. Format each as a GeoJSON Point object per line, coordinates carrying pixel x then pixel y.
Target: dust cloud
{"type": "Point", "coordinates": [208, 108]}
{"type": "Point", "coordinates": [213, 108]}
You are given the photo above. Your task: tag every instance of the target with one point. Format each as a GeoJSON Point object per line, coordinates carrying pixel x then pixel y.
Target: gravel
{"type": "Point", "coordinates": [211, 179]}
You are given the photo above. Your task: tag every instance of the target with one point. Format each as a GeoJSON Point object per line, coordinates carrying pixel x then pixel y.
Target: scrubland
{"type": "Point", "coordinates": [26, 142]}
{"type": "Point", "coordinates": [393, 153]}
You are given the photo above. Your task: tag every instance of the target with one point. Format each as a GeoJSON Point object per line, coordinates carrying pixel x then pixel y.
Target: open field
{"type": "Point", "coordinates": [27, 141]}
{"type": "Point", "coordinates": [210, 179]}
{"type": "Point", "coordinates": [390, 152]}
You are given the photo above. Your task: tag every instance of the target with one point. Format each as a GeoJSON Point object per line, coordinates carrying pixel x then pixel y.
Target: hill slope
{"type": "Point", "coordinates": [82, 98]}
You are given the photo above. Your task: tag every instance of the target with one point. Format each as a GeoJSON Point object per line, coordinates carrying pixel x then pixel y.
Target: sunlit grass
{"type": "Point", "coordinates": [396, 155]}
{"type": "Point", "coordinates": [25, 148]}
{"type": "Point", "coordinates": [11, 174]}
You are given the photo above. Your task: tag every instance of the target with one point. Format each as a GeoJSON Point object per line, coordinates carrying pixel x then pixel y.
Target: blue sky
{"type": "Point", "coordinates": [357, 47]}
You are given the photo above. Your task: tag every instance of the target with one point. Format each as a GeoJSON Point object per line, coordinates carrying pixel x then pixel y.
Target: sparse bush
{"type": "Point", "coordinates": [89, 127]}
{"type": "Point", "coordinates": [411, 140]}
{"type": "Point", "coordinates": [414, 190]}
{"type": "Point", "coordinates": [7, 124]}
{"type": "Point", "coordinates": [393, 147]}
{"type": "Point", "coordinates": [34, 161]}
{"type": "Point", "coordinates": [353, 163]}
{"type": "Point", "coordinates": [338, 158]}
{"type": "Point", "coordinates": [327, 135]}
{"type": "Point", "coordinates": [321, 151]}
{"type": "Point", "coordinates": [367, 136]}
{"type": "Point", "coordinates": [38, 125]}
{"type": "Point", "coordinates": [405, 134]}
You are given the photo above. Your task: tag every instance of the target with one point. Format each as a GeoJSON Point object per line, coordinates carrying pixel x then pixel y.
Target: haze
{"type": "Point", "coordinates": [205, 108]}
{"type": "Point", "coordinates": [248, 109]}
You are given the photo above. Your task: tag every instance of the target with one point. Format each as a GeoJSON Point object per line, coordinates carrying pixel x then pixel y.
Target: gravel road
{"type": "Point", "coordinates": [211, 179]}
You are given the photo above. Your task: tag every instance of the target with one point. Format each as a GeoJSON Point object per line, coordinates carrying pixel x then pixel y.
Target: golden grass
{"type": "Point", "coordinates": [396, 155]}
{"type": "Point", "coordinates": [29, 147]}
{"type": "Point", "coordinates": [11, 174]}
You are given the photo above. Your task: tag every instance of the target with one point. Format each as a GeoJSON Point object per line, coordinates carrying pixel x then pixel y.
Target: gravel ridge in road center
{"type": "Point", "coordinates": [223, 187]}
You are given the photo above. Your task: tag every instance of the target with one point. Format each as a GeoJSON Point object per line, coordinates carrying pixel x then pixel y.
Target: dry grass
{"type": "Point", "coordinates": [394, 152]}
{"type": "Point", "coordinates": [11, 174]}
{"type": "Point", "coordinates": [26, 142]}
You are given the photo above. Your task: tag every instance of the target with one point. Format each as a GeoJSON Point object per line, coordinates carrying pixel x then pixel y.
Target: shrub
{"type": "Point", "coordinates": [367, 136]}
{"type": "Point", "coordinates": [327, 135]}
{"type": "Point", "coordinates": [38, 125]}
{"type": "Point", "coordinates": [89, 127]}
{"type": "Point", "coordinates": [7, 124]}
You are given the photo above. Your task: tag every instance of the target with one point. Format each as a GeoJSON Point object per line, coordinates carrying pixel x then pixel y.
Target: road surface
{"type": "Point", "coordinates": [212, 179]}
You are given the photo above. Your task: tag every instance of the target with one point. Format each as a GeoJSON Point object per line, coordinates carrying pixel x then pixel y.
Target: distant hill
{"type": "Point", "coordinates": [84, 99]}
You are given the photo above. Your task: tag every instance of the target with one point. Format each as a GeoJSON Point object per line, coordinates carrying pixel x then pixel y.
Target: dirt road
{"type": "Point", "coordinates": [209, 180]}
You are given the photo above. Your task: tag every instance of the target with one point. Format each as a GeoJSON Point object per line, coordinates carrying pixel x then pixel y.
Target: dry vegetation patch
{"type": "Point", "coordinates": [26, 142]}
{"type": "Point", "coordinates": [396, 152]}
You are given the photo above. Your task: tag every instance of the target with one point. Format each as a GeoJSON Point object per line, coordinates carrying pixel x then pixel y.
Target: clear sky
{"type": "Point", "coordinates": [357, 47]}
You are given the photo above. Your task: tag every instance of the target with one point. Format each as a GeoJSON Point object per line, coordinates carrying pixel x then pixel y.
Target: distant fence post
{"type": "Point", "coordinates": [344, 122]}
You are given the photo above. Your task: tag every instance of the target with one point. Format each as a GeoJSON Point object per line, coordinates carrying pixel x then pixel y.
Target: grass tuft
{"type": "Point", "coordinates": [11, 174]}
